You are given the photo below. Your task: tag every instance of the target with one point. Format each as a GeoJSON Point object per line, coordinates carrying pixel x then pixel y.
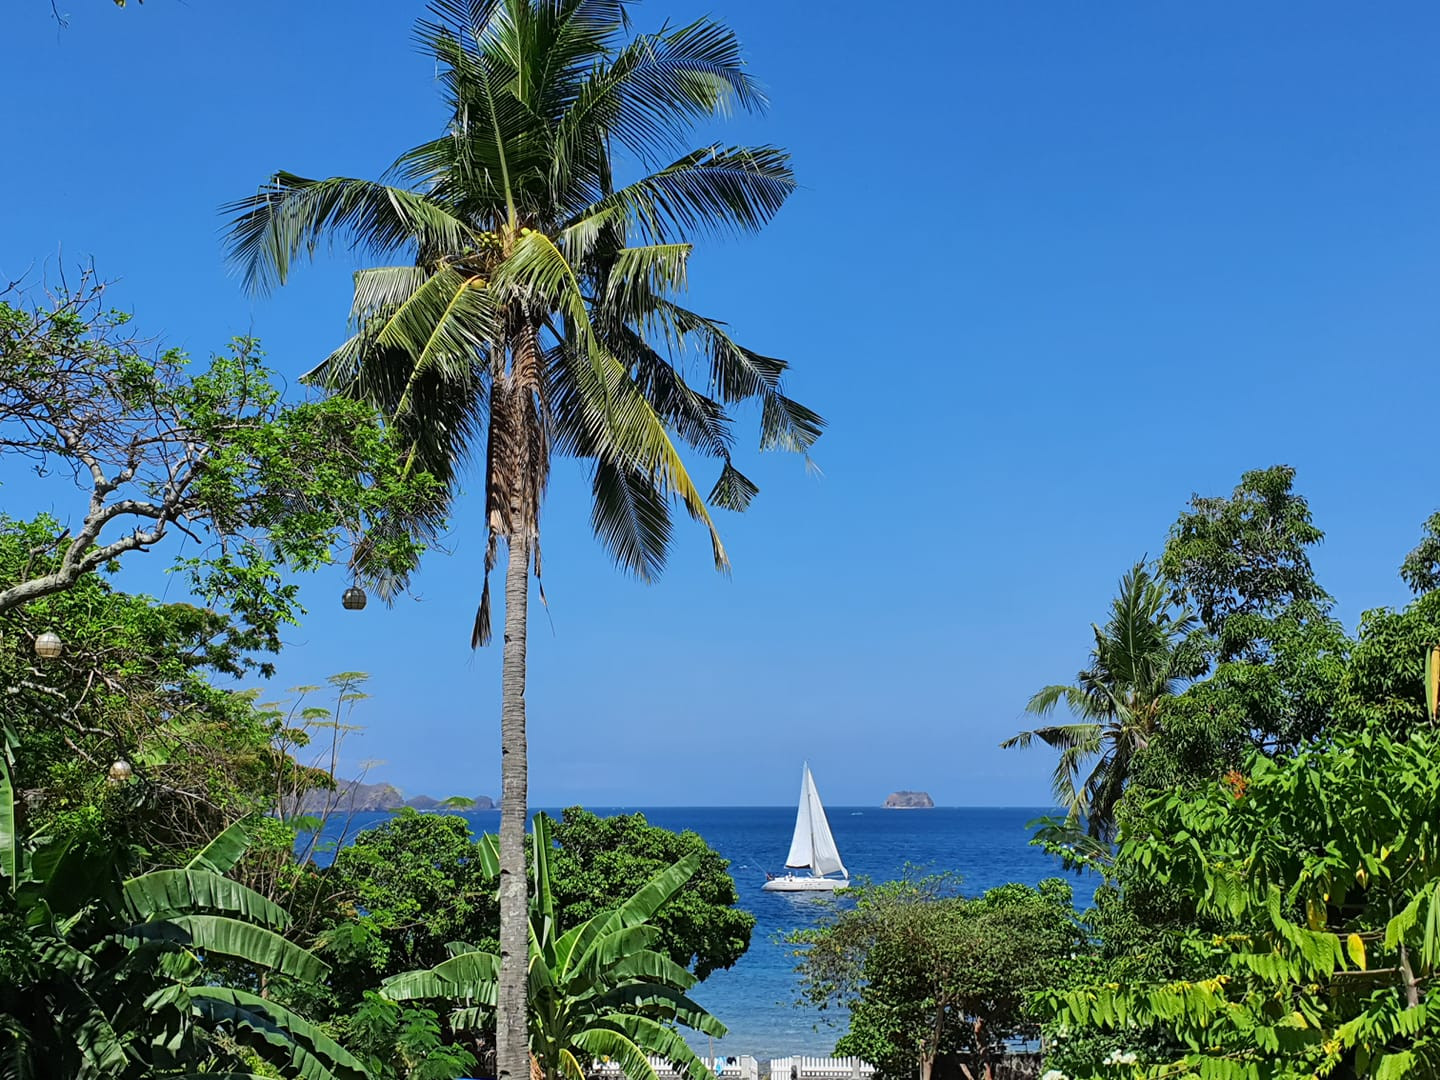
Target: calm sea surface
{"type": "Point", "coordinates": [755, 999]}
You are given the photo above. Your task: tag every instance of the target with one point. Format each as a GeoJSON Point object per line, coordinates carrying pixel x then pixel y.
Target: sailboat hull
{"type": "Point", "coordinates": [792, 883]}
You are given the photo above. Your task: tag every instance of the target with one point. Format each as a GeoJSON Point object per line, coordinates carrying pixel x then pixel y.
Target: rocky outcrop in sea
{"type": "Point", "coordinates": [909, 800]}
{"type": "Point", "coordinates": [354, 797]}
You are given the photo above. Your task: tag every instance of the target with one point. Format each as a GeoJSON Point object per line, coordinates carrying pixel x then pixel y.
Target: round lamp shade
{"type": "Point", "coordinates": [354, 598]}
{"type": "Point", "coordinates": [48, 645]}
{"type": "Point", "coordinates": [121, 771]}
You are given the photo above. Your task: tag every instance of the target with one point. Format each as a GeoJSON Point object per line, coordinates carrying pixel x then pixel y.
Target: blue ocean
{"type": "Point", "coordinates": [985, 846]}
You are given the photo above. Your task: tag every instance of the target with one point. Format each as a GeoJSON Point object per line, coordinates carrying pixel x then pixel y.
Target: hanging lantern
{"type": "Point", "coordinates": [120, 771]}
{"type": "Point", "coordinates": [354, 598]}
{"type": "Point", "coordinates": [48, 645]}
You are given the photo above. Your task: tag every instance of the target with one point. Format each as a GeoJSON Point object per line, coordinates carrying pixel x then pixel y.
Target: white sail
{"type": "Point", "coordinates": [800, 845]}
{"type": "Point", "coordinates": [813, 846]}
{"type": "Point", "coordinates": [824, 856]}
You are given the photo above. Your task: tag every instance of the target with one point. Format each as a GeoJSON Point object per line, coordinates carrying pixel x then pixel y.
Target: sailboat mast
{"type": "Point", "coordinates": [808, 794]}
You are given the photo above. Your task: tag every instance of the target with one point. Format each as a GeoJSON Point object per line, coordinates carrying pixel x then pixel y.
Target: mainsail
{"type": "Point", "coordinates": [813, 846]}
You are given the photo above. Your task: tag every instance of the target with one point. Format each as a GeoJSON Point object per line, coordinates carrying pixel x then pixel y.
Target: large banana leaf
{"type": "Point", "coordinates": [618, 1047]}
{"type": "Point", "coordinates": [274, 1033]}
{"type": "Point", "coordinates": [647, 966]}
{"type": "Point", "coordinates": [99, 1045]}
{"type": "Point", "coordinates": [229, 937]}
{"type": "Point", "coordinates": [489, 846]}
{"type": "Point", "coordinates": [651, 896]}
{"type": "Point", "coordinates": [472, 976]}
{"type": "Point", "coordinates": [607, 950]}
{"type": "Point", "coordinates": [164, 892]}
{"type": "Point", "coordinates": [9, 838]}
{"type": "Point", "coordinates": [564, 948]}
{"type": "Point", "coordinates": [647, 900]}
{"type": "Point", "coordinates": [663, 1003]}
{"type": "Point", "coordinates": [469, 1018]}
{"type": "Point", "coordinates": [660, 1040]}
{"type": "Point", "coordinates": [543, 900]}
{"type": "Point", "coordinates": [221, 854]}
{"type": "Point", "coordinates": [341, 1063]}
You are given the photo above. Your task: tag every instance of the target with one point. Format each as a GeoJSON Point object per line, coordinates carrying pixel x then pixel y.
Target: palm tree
{"type": "Point", "coordinates": [598, 990]}
{"type": "Point", "coordinates": [538, 308]}
{"type": "Point", "coordinates": [1139, 659]}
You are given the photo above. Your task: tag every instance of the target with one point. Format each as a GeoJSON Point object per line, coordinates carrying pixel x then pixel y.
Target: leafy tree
{"type": "Point", "coordinates": [599, 861]}
{"type": "Point", "coordinates": [408, 887]}
{"type": "Point", "coordinates": [1139, 658]}
{"type": "Point", "coordinates": [258, 485]}
{"type": "Point", "coordinates": [1324, 871]}
{"type": "Point", "coordinates": [1384, 677]}
{"type": "Point", "coordinates": [113, 976]}
{"type": "Point", "coordinates": [1265, 664]}
{"type": "Point", "coordinates": [1421, 568]}
{"type": "Point", "coordinates": [538, 308]}
{"type": "Point", "coordinates": [597, 989]}
{"type": "Point", "coordinates": [402, 892]}
{"type": "Point", "coordinates": [1246, 555]}
{"type": "Point", "coordinates": [929, 975]}
{"type": "Point", "coordinates": [134, 686]}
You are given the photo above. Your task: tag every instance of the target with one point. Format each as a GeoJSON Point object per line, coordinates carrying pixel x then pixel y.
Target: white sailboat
{"type": "Point", "coordinates": [812, 848]}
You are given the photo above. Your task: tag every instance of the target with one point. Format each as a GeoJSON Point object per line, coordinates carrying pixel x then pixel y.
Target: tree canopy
{"type": "Point", "coordinates": [257, 485]}
{"type": "Point", "coordinates": [929, 975]}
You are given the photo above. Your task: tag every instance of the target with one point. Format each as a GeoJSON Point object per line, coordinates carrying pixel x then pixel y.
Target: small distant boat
{"type": "Point", "coordinates": [812, 848]}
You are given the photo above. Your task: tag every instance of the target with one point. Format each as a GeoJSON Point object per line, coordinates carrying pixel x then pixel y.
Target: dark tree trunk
{"type": "Point", "coordinates": [512, 1043]}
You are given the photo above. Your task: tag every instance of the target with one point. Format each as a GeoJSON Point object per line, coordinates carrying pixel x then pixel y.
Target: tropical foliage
{"type": "Point", "coordinates": [406, 888]}
{"type": "Point", "coordinates": [1267, 912]}
{"type": "Point", "coordinates": [1141, 656]}
{"type": "Point", "coordinates": [257, 485]}
{"type": "Point", "coordinates": [598, 990]}
{"type": "Point", "coordinates": [598, 861]}
{"type": "Point", "coordinates": [1324, 873]}
{"type": "Point", "coordinates": [933, 979]}
{"type": "Point", "coordinates": [106, 975]}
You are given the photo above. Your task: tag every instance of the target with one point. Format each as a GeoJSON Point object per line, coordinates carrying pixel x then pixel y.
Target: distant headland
{"type": "Point", "coordinates": [909, 800]}
{"type": "Point", "coordinates": [353, 797]}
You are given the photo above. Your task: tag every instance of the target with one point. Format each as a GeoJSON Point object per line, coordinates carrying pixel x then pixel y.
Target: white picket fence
{"type": "Point", "coordinates": [818, 1068]}
{"type": "Point", "coordinates": [738, 1068]}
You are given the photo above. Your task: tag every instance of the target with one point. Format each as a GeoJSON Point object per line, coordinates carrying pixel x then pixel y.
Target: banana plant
{"type": "Point", "coordinates": [597, 991]}
{"type": "Point", "coordinates": [107, 975]}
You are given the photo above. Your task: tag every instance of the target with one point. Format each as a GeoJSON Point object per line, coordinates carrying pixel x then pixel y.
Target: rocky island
{"type": "Point", "coordinates": [352, 796]}
{"type": "Point", "coordinates": [909, 800]}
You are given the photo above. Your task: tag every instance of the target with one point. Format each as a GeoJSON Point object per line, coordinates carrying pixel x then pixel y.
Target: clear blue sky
{"type": "Point", "coordinates": [1054, 266]}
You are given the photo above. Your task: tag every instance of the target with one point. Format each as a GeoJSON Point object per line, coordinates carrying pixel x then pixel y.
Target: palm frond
{"type": "Point", "coordinates": [733, 490]}
{"type": "Point", "coordinates": [1044, 700]}
{"type": "Point", "coordinates": [631, 518]}
{"type": "Point", "coordinates": [649, 96]}
{"type": "Point", "coordinates": [290, 216]}
{"type": "Point", "coordinates": [713, 189]}
{"type": "Point", "coordinates": [739, 374]}
{"type": "Point", "coordinates": [443, 327]}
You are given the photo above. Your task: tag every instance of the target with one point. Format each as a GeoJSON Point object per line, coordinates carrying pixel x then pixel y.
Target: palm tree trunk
{"type": "Point", "coordinates": [512, 1038]}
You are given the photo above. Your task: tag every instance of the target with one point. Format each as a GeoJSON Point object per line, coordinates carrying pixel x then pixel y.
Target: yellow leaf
{"type": "Point", "coordinates": [1432, 681]}
{"type": "Point", "coordinates": [1314, 914]}
{"type": "Point", "coordinates": [1362, 876]}
{"type": "Point", "coordinates": [1356, 948]}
